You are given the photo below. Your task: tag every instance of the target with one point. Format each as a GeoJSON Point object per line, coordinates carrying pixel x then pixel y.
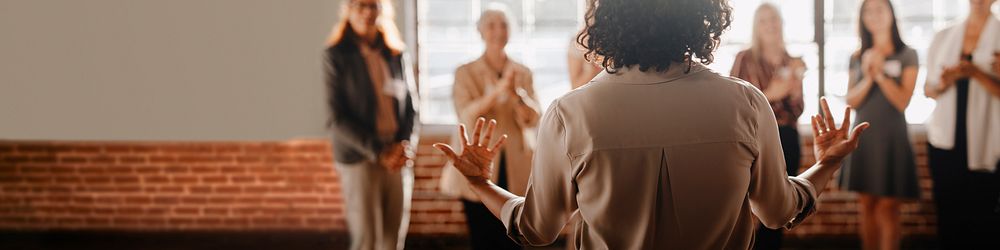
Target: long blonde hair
{"type": "Point", "coordinates": [756, 46]}
{"type": "Point", "coordinates": [385, 25]}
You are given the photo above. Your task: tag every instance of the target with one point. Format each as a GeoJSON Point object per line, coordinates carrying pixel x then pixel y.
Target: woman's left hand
{"type": "Point", "coordinates": [477, 155]}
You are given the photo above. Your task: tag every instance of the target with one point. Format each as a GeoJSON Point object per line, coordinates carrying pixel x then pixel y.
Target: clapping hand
{"type": "Point", "coordinates": [477, 156]}
{"type": "Point", "coordinates": [832, 144]}
{"type": "Point", "coordinates": [396, 156]}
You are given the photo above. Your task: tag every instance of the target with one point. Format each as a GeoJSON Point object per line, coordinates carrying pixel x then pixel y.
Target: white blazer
{"type": "Point", "coordinates": [983, 120]}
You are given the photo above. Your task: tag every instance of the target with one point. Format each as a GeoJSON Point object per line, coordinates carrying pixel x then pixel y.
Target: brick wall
{"type": "Point", "coordinates": [838, 211]}
{"type": "Point", "coordinates": [252, 186]}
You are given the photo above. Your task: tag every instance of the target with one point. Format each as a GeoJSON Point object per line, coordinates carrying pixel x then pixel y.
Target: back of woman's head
{"type": "Point", "coordinates": [653, 34]}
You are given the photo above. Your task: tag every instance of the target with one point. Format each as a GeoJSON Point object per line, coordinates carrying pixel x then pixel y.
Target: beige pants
{"type": "Point", "coordinates": [377, 205]}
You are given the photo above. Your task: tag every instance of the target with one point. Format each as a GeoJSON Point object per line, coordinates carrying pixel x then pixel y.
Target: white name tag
{"type": "Point", "coordinates": [395, 88]}
{"type": "Point", "coordinates": [893, 68]}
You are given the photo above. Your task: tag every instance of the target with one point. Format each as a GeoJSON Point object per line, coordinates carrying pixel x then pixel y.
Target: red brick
{"type": "Point", "coordinates": [126, 179]}
{"type": "Point", "coordinates": [194, 200]}
{"type": "Point", "coordinates": [157, 210]}
{"type": "Point", "coordinates": [162, 159]}
{"type": "Point", "coordinates": [187, 211]}
{"type": "Point", "coordinates": [204, 169]}
{"type": "Point", "coordinates": [117, 148]}
{"type": "Point", "coordinates": [44, 159]}
{"type": "Point", "coordinates": [199, 189]}
{"type": "Point", "coordinates": [171, 189]}
{"type": "Point", "coordinates": [227, 189]}
{"type": "Point", "coordinates": [216, 211]}
{"type": "Point", "coordinates": [242, 179]}
{"type": "Point", "coordinates": [138, 200]}
{"type": "Point", "coordinates": [176, 169]}
{"type": "Point", "coordinates": [72, 159]}
{"type": "Point", "coordinates": [183, 179]}
{"type": "Point", "coordinates": [132, 160]}
{"type": "Point", "coordinates": [128, 188]}
{"type": "Point", "coordinates": [148, 169]}
{"type": "Point", "coordinates": [129, 211]}
{"type": "Point", "coordinates": [155, 179]}
{"type": "Point", "coordinates": [166, 200]}
{"type": "Point", "coordinates": [102, 159]}
{"type": "Point", "coordinates": [38, 179]}
{"type": "Point", "coordinates": [213, 179]}
{"type": "Point", "coordinates": [7, 179]}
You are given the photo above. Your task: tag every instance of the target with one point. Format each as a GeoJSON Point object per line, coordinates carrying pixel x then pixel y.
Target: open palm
{"type": "Point", "coordinates": [832, 144]}
{"type": "Point", "coordinates": [474, 162]}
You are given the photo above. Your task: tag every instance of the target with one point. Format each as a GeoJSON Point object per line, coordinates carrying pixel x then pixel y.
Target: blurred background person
{"type": "Point", "coordinates": [768, 66]}
{"type": "Point", "coordinates": [963, 131]}
{"type": "Point", "coordinates": [373, 119]}
{"type": "Point", "coordinates": [497, 87]}
{"type": "Point", "coordinates": [883, 73]}
{"type": "Point", "coordinates": [580, 69]}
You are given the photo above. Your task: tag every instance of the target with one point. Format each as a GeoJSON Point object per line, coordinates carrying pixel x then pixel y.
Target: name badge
{"type": "Point", "coordinates": [395, 88]}
{"type": "Point", "coordinates": [893, 68]}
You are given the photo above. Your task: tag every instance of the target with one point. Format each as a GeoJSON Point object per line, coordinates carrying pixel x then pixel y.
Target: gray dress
{"type": "Point", "coordinates": [883, 164]}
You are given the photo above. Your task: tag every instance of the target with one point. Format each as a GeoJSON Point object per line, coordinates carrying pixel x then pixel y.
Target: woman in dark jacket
{"type": "Point", "coordinates": [373, 119]}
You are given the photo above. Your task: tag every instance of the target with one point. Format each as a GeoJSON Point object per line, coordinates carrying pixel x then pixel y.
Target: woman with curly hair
{"type": "Point", "coordinates": [657, 151]}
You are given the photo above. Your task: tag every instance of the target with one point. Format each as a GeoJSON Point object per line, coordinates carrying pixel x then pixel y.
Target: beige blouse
{"type": "Point", "coordinates": [473, 81]}
{"type": "Point", "coordinates": [667, 160]}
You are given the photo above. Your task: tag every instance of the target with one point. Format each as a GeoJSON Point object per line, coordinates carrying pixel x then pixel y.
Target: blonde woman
{"type": "Point", "coordinates": [497, 87]}
{"type": "Point", "coordinates": [768, 66]}
{"type": "Point", "coordinates": [373, 121]}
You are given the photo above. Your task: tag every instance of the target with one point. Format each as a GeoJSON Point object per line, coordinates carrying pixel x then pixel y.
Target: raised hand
{"type": "Point", "coordinates": [832, 144]}
{"type": "Point", "coordinates": [477, 156]}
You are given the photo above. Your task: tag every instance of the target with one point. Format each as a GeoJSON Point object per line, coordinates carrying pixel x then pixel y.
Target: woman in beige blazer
{"type": "Point", "coordinates": [495, 86]}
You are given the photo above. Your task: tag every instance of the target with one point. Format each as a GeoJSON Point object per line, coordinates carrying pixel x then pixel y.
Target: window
{"type": "Point", "coordinates": [799, 38]}
{"type": "Point", "coordinates": [541, 30]}
{"type": "Point", "coordinates": [917, 19]}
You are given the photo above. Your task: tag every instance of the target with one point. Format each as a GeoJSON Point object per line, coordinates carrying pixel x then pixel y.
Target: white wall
{"type": "Point", "coordinates": [163, 69]}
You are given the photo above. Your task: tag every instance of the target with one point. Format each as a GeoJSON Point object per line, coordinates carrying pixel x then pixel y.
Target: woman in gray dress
{"type": "Point", "coordinates": [882, 77]}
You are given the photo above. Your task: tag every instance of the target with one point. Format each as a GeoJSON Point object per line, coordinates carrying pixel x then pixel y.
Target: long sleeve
{"type": "Point", "coordinates": [777, 199]}
{"type": "Point", "coordinates": [539, 217]}
{"type": "Point", "coordinates": [737, 70]}
{"type": "Point", "coordinates": [529, 87]}
{"type": "Point", "coordinates": [346, 131]}
{"type": "Point", "coordinates": [466, 99]}
{"type": "Point", "coordinates": [796, 104]}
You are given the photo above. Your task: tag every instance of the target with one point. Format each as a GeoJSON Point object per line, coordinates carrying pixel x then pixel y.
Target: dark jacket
{"type": "Point", "coordinates": [352, 104]}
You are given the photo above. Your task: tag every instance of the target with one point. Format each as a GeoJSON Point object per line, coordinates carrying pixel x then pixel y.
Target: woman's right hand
{"type": "Point", "coordinates": [831, 144]}
{"type": "Point", "coordinates": [477, 156]}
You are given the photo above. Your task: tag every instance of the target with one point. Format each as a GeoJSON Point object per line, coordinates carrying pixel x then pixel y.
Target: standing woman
{"type": "Point", "coordinates": [495, 86]}
{"type": "Point", "coordinates": [963, 132]}
{"type": "Point", "coordinates": [769, 67]}
{"type": "Point", "coordinates": [883, 171]}
{"type": "Point", "coordinates": [580, 69]}
{"type": "Point", "coordinates": [373, 121]}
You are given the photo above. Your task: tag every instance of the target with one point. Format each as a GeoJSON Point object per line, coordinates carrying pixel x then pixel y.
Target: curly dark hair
{"type": "Point", "coordinates": [653, 33]}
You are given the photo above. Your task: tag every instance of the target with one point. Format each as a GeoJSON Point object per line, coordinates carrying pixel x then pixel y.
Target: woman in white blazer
{"type": "Point", "coordinates": [964, 129]}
